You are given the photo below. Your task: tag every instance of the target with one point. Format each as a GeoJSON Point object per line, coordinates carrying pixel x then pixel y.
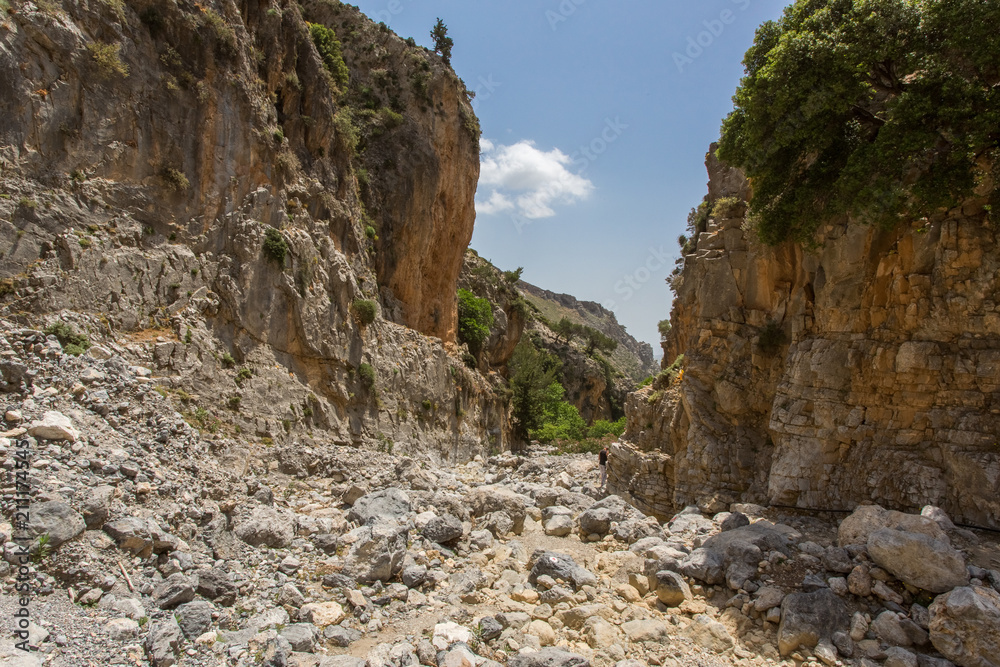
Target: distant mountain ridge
{"type": "Point", "coordinates": [633, 358]}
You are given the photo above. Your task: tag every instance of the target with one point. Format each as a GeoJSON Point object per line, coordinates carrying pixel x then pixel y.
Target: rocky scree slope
{"type": "Point", "coordinates": [633, 358]}
{"type": "Point", "coordinates": [866, 369]}
{"type": "Point", "coordinates": [596, 389]}
{"type": "Point", "coordinates": [167, 547]}
{"type": "Point", "coordinates": [200, 177]}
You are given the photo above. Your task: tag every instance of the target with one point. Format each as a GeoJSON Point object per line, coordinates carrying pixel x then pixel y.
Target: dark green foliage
{"type": "Point", "coordinates": [771, 338]}
{"type": "Point", "coordinates": [475, 317]}
{"type": "Point", "coordinates": [560, 420]}
{"type": "Point", "coordinates": [511, 277]}
{"type": "Point", "coordinates": [365, 310]}
{"type": "Point", "coordinates": [882, 110]}
{"type": "Point", "coordinates": [598, 341]}
{"type": "Point", "coordinates": [531, 374]}
{"type": "Point", "coordinates": [243, 375]}
{"type": "Point", "coordinates": [442, 42]}
{"type": "Point", "coordinates": [329, 49]}
{"type": "Point", "coordinates": [664, 327]}
{"type": "Point", "coordinates": [566, 329]}
{"type": "Point", "coordinates": [73, 343]}
{"type": "Point", "coordinates": [275, 246]}
{"type": "Point", "coordinates": [367, 375]}
{"type": "Point", "coordinates": [601, 428]}
{"type": "Point", "coordinates": [228, 361]}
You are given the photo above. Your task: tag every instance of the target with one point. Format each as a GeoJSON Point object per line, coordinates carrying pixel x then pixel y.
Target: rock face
{"type": "Point", "coordinates": [865, 369]}
{"type": "Point", "coordinates": [148, 198]}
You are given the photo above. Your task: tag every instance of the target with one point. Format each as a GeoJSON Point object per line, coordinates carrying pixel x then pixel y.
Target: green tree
{"type": "Point", "coordinates": [442, 42]}
{"type": "Point", "coordinates": [598, 341]}
{"type": "Point", "coordinates": [566, 329]}
{"type": "Point", "coordinates": [475, 318]}
{"type": "Point", "coordinates": [878, 109]}
{"type": "Point", "coordinates": [329, 49]}
{"type": "Point", "coordinates": [531, 374]}
{"type": "Point", "coordinates": [560, 420]}
{"type": "Point", "coordinates": [664, 328]}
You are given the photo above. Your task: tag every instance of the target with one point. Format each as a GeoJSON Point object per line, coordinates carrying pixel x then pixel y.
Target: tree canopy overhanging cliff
{"type": "Point", "coordinates": [878, 109]}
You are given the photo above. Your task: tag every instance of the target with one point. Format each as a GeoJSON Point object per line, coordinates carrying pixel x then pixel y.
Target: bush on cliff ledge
{"type": "Point", "coordinates": [882, 110]}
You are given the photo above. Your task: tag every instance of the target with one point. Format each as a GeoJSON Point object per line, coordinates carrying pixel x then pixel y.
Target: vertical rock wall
{"type": "Point", "coordinates": [883, 384]}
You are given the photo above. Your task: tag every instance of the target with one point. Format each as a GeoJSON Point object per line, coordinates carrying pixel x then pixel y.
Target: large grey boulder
{"type": "Point", "coordinates": [489, 499]}
{"type": "Point", "coordinates": [443, 529]}
{"type": "Point", "coordinates": [266, 527]}
{"type": "Point", "coordinates": [918, 560]}
{"type": "Point", "coordinates": [867, 519]}
{"type": "Point", "coordinates": [216, 585]}
{"type": "Point", "coordinates": [548, 657]}
{"type": "Point", "coordinates": [389, 503]}
{"type": "Point", "coordinates": [96, 506]}
{"type": "Point", "coordinates": [734, 555]}
{"type": "Point", "coordinates": [965, 626]}
{"type": "Point", "coordinates": [597, 519]}
{"type": "Point", "coordinates": [57, 520]}
{"type": "Point", "coordinates": [194, 618]}
{"type": "Point", "coordinates": [376, 552]}
{"type": "Point", "coordinates": [560, 566]}
{"type": "Point", "coordinates": [163, 643]}
{"type": "Point", "coordinates": [173, 591]}
{"type": "Point", "coordinates": [806, 618]}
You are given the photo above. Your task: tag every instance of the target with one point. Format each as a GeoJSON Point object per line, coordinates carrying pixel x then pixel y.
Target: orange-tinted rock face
{"type": "Point", "coordinates": [431, 225]}
{"type": "Point", "coordinates": [883, 382]}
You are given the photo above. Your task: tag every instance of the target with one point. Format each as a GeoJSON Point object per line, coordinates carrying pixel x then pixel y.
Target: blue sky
{"type": "Point", "coordinates": [596, 117]}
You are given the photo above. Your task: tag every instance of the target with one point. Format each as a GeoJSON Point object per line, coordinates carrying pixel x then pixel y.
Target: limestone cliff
{"type": "Point", "coordinates": [866, 369]}
{"type": "Point", "coordinates": [199, 186]}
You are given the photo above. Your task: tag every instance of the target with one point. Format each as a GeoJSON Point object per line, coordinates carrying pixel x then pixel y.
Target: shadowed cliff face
{"type": "Point", "coordinates": [147, 155]}
{"type": "Point", "coordinates": [879, 379]}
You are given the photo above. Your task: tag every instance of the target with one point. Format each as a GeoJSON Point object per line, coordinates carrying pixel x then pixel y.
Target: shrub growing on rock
{"type": "Point", "coordinates": [275, 246]}
{"type": "Point", "coordinates": [365, 310]}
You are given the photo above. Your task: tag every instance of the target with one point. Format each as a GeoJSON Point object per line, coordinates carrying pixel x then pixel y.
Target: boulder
{"type": "Point", "coordinates": [806, 618]}
{"type": "Point", "coordinates": [965, 626]}
{"type": "Point", "coordinates": [214, 584]}
{"type": "Point", "coordinates": [648, 630]}
{"type": "Point", "coordinates": [322, 614]}
{"type": "Point", "coordinates": [389, 503]}
{"type": "Point", "coordinates": [57, 520]}
{"type": "Point", "coordinates": [560, 566]}
{"type": "Point", "coordinates": [173, 591]}
{"type": "Point", "coordinates": [266, 527]}
{"type": "Point", "coordinates": [194, 618]}
{"type": "Point", "coordinates": [671, 589]}
{"type": "Point", "coordinates": [376, 552]}
{"type": "Point", "coordinates": [866, 519]}
{"type": "Point", "coordinates": [559, 525]}
{"type": "Point", "coordinates": [443, 529]}
{"type": "Point", "coordinates": [54, 426]}
{"type": "Point", "coordinates": [709, 634]}
{"type": "Point", "coordinates": [96, 506]}
{"type": "Point", "coordinates": [488, 499]}
{"type": "Point", "coordinates": [163, 643]}
{"type": "Point", "coordinates": [918, 560]}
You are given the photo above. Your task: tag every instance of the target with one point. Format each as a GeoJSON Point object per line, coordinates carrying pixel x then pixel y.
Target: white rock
{"type": "Point", "coordinates": [54, 426]}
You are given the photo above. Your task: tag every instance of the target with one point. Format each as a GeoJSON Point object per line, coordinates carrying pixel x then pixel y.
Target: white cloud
{"type": "Point", "coordinates": [522, 177]}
